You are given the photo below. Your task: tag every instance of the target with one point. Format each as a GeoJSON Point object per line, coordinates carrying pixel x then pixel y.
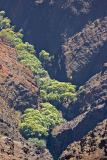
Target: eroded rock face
{"type": "Point", "coordinates": [50, 23]}
{"type": "Point", "coordinates": [85, 53]}
{"type": "Point", "coordinates": [75, 32]}
{"type": "Point", "coordinates": [17, 86]}
{"type": "Point", "coordinates": [91, 147]}
{"type": "Point", "coordinates": [21, 150]}
{"type": "Point", "coordinates": [9, 121]}
{"type": "Point", "coordinates": [18, 91]}
{"type": "Point", "coordinates": [93, 95]}
{"type": "Point", "coordinates": [89, 110]}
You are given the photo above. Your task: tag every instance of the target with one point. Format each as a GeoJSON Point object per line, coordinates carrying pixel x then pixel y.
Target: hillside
{"type": "Point", "coordinates": [17, 91]}
{"type": "Point", "coordinates": [85, 114]}
{"type": "Point", "coordinates": [17, 81]}
{"type": "Point", "coordinates": [53, 80]}
{"type": "Point", "coordinates": [53, 23]}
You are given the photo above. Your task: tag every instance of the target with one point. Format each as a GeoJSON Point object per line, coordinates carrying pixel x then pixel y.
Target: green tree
{"type": "Point", "coordinates": [39, 143]}
{"type": "Point", "coordinates": [56, 92]}
{"type": "Point", "coordinates": [37, 123]}
{"type": "Point", "coordinates": [4, 21]}
{"type": "Point", "coordinates": [44, 56]}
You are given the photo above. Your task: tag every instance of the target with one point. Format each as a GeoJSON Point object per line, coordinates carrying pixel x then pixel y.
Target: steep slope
{"type": "Point", "coordinates": [18, 91]}
{"type": "Point", "coordinates": [75, 32]}
{"type": "Point", "coordinates": [85, 52]}
{"type": "Point", "coordinates": [91, 147]}
{"type": "Point", "coordinates": [37, 120]}
{"type": "Point", "coordinates": [21, 150]}
{"type": "Point", "coordinates": [17, 85]}
{"type": "Point", "coordinates": [50, 23]}
{"type": "Point", "coordinates": [9, 121]}
{"type": "Point", "coordinates": [89, 110]}
{"type": "Point", "coordinates": [12, 145]}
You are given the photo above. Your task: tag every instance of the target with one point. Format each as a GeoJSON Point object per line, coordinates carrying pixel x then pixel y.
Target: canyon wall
{"type": "Point", "coordinates": [89, 110]}
{"type": "Point", "coordinates": [75, 32]}
{"type": "Point", "coordinates": [49, 24]}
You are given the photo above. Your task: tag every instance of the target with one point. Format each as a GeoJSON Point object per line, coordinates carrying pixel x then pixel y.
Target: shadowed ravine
{"type": "Point", "coordinates": [49, 26]}
{"type": "Point", "coordinates": [65, 122]}
{"type": "Point", "coordinates": [59, 143]}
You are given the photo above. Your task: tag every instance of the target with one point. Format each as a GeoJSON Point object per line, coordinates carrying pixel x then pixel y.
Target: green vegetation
{"type": "Point", "coordinates": [56, 92]}
{"type": "Point", "coordinates": [4, 21]}
{"type": "Point", "coordinates": [44, 56]}
{"type": "Point", "coordinates": [40, 143]}
{"type": "Point", "coordinates": [25, 51]}
{"type": "Point", "coordinates": [37, 123]}
{"type": "Point", "coordinates": [27, 57]}
{"type": "Point", "coordinates": [9, 36]}
{"type": "Point", "coordinates": [50, 90]}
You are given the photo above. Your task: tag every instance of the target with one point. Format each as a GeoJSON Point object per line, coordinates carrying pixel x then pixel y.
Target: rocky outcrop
{"type": "Point", "coordinates": [85, 53]}
{"type": "Point", "coordinates": [75, 32]}
{"type": "Point", "coordinates": [21, 150]}
{"type": "Point", "coordinates": [92, 95]}
{"type": "Point", "coordinates": [91, 147]}
{"type": "Point", "coordinates": [9, 121]}
{"type": "Point", "coordinates": [18, 91]}
{"type": "Point", "coordinates": [89, 110]}
{"type": "Point", "coordinates": [12, 144]}
{"type": "Point", "coordinates": [49, 24]}
{"type": "Point", "coordinates": [17, 86]}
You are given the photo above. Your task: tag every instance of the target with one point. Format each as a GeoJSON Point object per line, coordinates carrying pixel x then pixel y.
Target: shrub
{"type": "Point", "coordinates": [10, 37]}
{"type": "Point", "coordinates": [25, 51]}
{"type": "Point", "coordinates": [33, 63]}
{"type": "Point", "coordinates": [2, 14]}
{"type": "Point", "coordinates": [25, 47]}
{"type": "Point", "coordinates": [39, 143]}
{"type": "Point", "coordinates": [4, 21]}
{"type": "Point", "coordinates": [44, 56]}
{"type": "Point", "coordinates": [37, 123]}
{"type": "Point", "coordinates": [55, 91]}
{"type": "Point", "coordinates": [50, 90]}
